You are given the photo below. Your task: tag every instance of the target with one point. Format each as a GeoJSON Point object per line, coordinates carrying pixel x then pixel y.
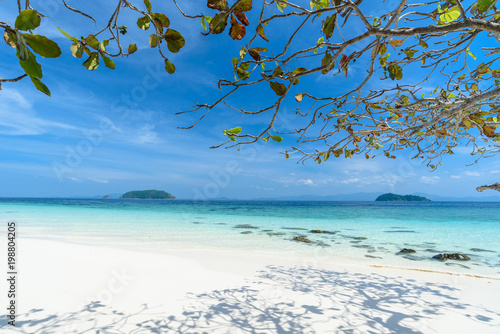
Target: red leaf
{"type": "Point", "coordinates": [254, 54]}
{"type": "Point", "coordinates": [237, 30]}
{"type": "Point", "coordinates": [241, 16]}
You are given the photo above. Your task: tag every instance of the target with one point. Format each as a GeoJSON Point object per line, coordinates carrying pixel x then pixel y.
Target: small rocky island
{"type": "Point", "coordinates": [147, 194]}
{"type": "Point", "coordinates": [403, 198]}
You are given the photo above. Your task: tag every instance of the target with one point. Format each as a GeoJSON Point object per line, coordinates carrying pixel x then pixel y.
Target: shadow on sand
{"type": "Point", "coordinates": [279, 300]}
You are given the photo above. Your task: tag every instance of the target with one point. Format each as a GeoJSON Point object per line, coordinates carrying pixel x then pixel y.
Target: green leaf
{"type": "Point", "coordinates": [299, 97]}
{"type": "Point", "coordinates": [277, 139]}
{"type": "Point", "coordinates": [153, 40]}
{"type": "Point", "coordinates": [92, 62]}
{"type": "Point", "coordinates": [234, 131]}
{"type": "Point", "coordinates": [74, 39]}
{"type": "Point", "coordinates": [148, 5]}
{"type": "Point", "coordinates": [76, 50]}
{"type": "Point", "coordinates": [132, 48]}
{"type": "Point", "coordinates": [40, 86]}
{"type": "Point", "coordinates": [279, 7]}
{"type": "Point", "coordinates": [450, 15]}
{"type": "Point", "coordinates": [278, 88]}
{"type": "Point", "coordinates": [169, 67]}
{"type": "Point", "coordinates": [103, 44]}
{"type": "Point", "coordinates": [484, 5]}
{"type": "Point", "coordinates": [27, 20]}
{"type": "Point", "coordinates": [395, 71]}
{"type": "Point", "coordinates": [92, 42]}
{"type": "Point", "coordinates": [260, 31]}
{"type": "Point", "coordinates": [325, 61]}
{"type": "Point", "coordinates": [243, 52]}
{"type": "Point", "coordinates": [10, 38]}
{"type": "Point", "coordinates": [471, 54]}
{"type": "Point", "coordinates": [174, 40]}
{"type": "Point", "coordinates": [107, 61]}
{"type": "Point", "coordinates": [43, 46]}
{"type": "Point", "coordinates": [161, 19]}
{"type": "Point", "coordinates": [218, 23]}
{"type": "Point", "coordinates": [21, 46]}
{"type": "Point", "coordinates": [329, 25]}
{"type": "Point", "coordinates": [30, 66]}
{"type": "Point", "coordinates": [143, 23]}
{"type": "Point", "coordinates": [203, 24]}
{"type": "Point", "coordinates": [244, 5]}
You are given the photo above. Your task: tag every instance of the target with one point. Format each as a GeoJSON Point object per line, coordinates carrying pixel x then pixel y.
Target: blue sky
{"type": "Point", "coordinates": [88, 140]}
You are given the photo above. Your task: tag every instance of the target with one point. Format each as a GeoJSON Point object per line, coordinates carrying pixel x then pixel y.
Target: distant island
{"type": "Point", "coordinates": [148, 194]}
{"type": "Point", "coordinates": [404, 198]}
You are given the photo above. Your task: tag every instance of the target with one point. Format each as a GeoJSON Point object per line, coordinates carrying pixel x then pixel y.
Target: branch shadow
{"type": "Point", "coordinates": [281, 300]}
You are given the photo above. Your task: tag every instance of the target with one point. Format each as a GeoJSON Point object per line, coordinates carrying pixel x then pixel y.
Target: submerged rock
{"type": "Point", "coordinates": [246, 232]}
{"type": "Point", "coordinates": [373, 257]}
{"type": "Point", "coordinates": [322, 244]}
{"type": "Point", "coordinates": [245, 226]}
{"type": "Point", "coordinates": [275, 234]}
{"type": "Point", "coordinates": [294, 228]}
{"type": "Point", "coordinates": [321, 231]}
{"type": "Point", "coordinates": [406, 250]}
{"type": "Point", "coordinates": [360, 238]}
{"type": "Point", "coordinates": [302, 239]}
{"type": "Point", "coordinates": [481, 250]}
{"type": "Point", "coordinates": [453, 256]}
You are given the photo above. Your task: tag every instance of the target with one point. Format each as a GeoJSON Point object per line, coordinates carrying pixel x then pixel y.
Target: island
{"type": "Point", "coordinates": [404, 198]}
{"type": "Point", "coordinates": [147, 194]}
{"type": "Point", "coordinates": [106, 197]}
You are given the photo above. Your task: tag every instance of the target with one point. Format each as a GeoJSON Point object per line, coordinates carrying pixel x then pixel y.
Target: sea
{"type": "Point", "coordinates": [371, 233]}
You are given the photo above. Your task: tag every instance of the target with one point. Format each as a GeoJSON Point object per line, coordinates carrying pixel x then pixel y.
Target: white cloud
{"type": "Point", "coordinates": [495, 172]}
{"type": "Point", "coordinates": [429, 179]}
{"type": "Point", "coordinates": [98, 180]}
{"type": "Point", "coordinates": [305, 182]}
{"type": "Point", "coordinates": [472, 173]}
{"type": "Point", "coordinates": [147, 136]}
{"type": "Point", "coordinates": [352, 180]}
{"type": "Point", "coordinates": [456, 176]}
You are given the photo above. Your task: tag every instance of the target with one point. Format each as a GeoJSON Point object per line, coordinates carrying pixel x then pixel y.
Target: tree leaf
{"type": "Point", "coordinates": [234, 131]}
{"type": "Point", "coordinates": [10, 38]}
{"type": "Point", "coordinates": [277, 139]}
{"type": "Point", "coordinates": [218, 23]}
{"type": "Point", "coordinates": [242, 17]}
{"type": "Point", "coordinates": [484, 5]}
{"type": "Point", "coordinates": [74, 39]}
{"type": "Point", "coordinates": [174, 40]}
{"type": "Point", "coordinates": [237, 30]}
{"type": "Point", "coordinates": [92, 42]}
{"type": "Point", "coordinates": [169, 67]}
{"type": "Point", "coordinates": [396, 42]}
{"type": "Point", "coordinates": [107, 61]}
{"type": "Point", "coordinates": [325, 61]}
{"type": "Point", "coordinates": [148, 5]}
{"type": "Point", "coordinates": [30, 66]}
{"type": "Point", "coordinates": [450, 15]}
{"type": "Point", "coordinates": [76, 50]}
{"type": "Point", "coordinates": [395, 71]}
{"type": "Point", "coordinates": [220, 5]}
{"type": "Point", "coordinates": [27, 20]}
{"type": "Point", "coordinates": [161, 20]}
{"type": "Point", "coordinates": [260, 31]}
{"type": "Point", "coordinates": [278, 88]}
{"type": "Point", "coordinates": [329, 25]}
{"type": "Point", "coordinates": [132, 48]}
{"type": "Point", "coordinates": [244, 5]}
{"type": "Point", "coordinates": [153, 40]}
{"type": "Point", "coordinates": [143, 23]}
{"type": "Point", "coordinates": [488, 131]}
{"type": "Point", "coordinates": [299, 97]}
{"type": "Point", "coordinates": [43, 46]}
{"type": "Point", "coordinates": [92, 62]}
{"type": "Point", "coordinates": [40, 86]}
{"type": "Point", "coordinates": [103, 44]}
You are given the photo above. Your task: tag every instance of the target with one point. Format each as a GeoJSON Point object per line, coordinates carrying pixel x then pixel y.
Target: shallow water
{"type": "Point", "coordinates": [361, 231]}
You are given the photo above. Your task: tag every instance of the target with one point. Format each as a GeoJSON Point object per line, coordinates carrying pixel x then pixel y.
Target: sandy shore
{"type": "Point", "coordinates": [73, 288]}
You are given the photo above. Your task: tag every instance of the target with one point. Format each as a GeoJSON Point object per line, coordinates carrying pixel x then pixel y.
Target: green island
{"type": "Point", "coordinates": [148, 194]}
{"type": "Point", "coordinates": [403, 198]}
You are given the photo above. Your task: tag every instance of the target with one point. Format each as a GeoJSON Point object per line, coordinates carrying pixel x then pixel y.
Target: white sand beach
{"type": "Point", "coordinates": [73, 288]}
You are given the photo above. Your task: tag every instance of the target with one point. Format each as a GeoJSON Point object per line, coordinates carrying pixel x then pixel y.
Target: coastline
{"type": "Point", "coordinates": [72, 288]}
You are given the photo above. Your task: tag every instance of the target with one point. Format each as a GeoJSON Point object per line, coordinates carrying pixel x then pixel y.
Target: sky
{"type": "Point", "coordinates": [112, 131]}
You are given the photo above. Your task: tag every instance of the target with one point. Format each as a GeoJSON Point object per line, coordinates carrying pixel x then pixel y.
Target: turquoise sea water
{"type": "Point", "coordinates": [361, 231]}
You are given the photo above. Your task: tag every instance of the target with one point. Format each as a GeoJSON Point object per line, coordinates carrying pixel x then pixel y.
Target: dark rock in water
{"type": "Point", "coordinates": [220, 224]}
{"type": "Point", "coordinates": [245, 226]}
{"type": "Point", "coordinates": [302, 239]}
{"type": "Point", "coordinates": [321, 231]}
{"type": "Point", "coordinates": [356, 241]}
{"type": "Point", "coordinates": [198, 223]}
{"type": "Point", "coordinates": [295, 228]}
{"type": "Point", "coordinates": [360, 238]}
{"type": "Point", "coordinates": [267, 230]}
{"type": "Point", "coordinates": [406, 250]}
{"type": "Point", "coordinates": [373, 257]}
{"type": "Point", "coordinates": [275, 234]}
{"type": "Point", "coordinates": [246, 232]}
{"type": "Point", "coordinates": [457, 265]}
{"type": "Point", "coordinates": [481, 250]}
{"type": "Point", "coordinates": [401, 231]}
{"type": "Point", "coordinates": [454, 256]}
